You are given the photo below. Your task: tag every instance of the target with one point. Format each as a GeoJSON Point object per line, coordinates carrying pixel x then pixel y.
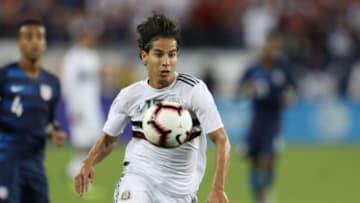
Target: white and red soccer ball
{"type": "Point", "coordinates": [167, 124]}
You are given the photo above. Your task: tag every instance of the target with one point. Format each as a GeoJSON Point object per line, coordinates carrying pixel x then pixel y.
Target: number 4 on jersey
{"type": "Point", "coordinates": [16, 106]}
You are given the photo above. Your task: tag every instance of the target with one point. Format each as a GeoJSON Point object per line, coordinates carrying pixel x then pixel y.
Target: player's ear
{"type": "Point", "coordinates": [18, 43]}
{"type": "Point", "coordinates": [144, 57]}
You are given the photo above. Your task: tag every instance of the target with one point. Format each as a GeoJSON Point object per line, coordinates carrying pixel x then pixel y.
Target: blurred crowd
{"type": "Point", "coordinates": [321, 38]}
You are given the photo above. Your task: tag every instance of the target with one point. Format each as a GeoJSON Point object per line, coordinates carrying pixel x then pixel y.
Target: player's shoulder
{"type": "Point", "coordinates": [254, 70]}
{"type": "Point", "coordinates": [134, 86]}
{"type": "Point", "coordinates": [50, 77]}
{"type": "Point", "coordinates": [189, 80]}
{"type": "Point", "coordinates": [132, 91]}
{"type": "Point", "coordinates": [5, 69]}
{"type": "Point", "coordinates": [255, 67]}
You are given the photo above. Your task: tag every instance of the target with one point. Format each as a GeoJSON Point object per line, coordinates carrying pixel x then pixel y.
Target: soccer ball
{"type": "Point", "coordinates": [167, 124]}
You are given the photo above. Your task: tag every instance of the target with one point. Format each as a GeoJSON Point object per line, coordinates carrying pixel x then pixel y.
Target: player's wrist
{"type": "Point", "coordinates": [56, 126]}
{"type": "Point", "coordinates": [88, 162]}
{"type": "Point", "coordinates": [51, 128]}
{"type": "Point", "coordinates": [218, 188]}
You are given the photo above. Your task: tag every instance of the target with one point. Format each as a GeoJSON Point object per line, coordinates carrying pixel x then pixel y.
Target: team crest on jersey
{"type": "Point", "coordinates": [126, 195]}
{"type": "Point", "coordinates": [45, 92]}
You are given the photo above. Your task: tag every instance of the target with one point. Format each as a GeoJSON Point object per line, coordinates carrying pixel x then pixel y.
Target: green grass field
{"type": "Point", "coordinates": [305, 175]}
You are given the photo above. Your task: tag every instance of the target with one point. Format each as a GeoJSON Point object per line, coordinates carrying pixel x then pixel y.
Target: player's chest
{"type": "Point", "coordinates": [30, 92]}
{"type": "Point", "coordinates": [144, 102]}
{"type": "Point", "coordinates": [274, 78]}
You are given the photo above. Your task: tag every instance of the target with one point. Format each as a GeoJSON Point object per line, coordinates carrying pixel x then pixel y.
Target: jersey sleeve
{"type": "Point", "coordinates": [54, 103]}
{"type": "Point", "coordinates": [205, 109]}
{"type": "Point", "coordinates": [117, 116]}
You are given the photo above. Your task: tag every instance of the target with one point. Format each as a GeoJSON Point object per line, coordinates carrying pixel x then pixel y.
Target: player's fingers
{"type": "Point", "coordinates": [78, 184]}
{"type": "Point", "coordinates": [55, 139]}
{"type": "Point", "coordinates": [92, 174]}
{"type": "Point", "coordinates": [61, 141]}
{"type": "Point", "coordinates": [85, 183]}
{"type": "Point", "coordinates": [61, 138]}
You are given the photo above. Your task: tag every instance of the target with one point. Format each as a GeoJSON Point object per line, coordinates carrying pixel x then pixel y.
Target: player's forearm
{"type": "Point", "coordinates": [101, 150]}
{"type": "Point", "coordinates": [110, 144]}
{"type": "Point", "coordinates": [223, 148]}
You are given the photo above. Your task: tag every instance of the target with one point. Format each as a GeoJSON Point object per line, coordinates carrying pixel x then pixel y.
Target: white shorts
{"type": "Point", "coordinates": [135, 189]}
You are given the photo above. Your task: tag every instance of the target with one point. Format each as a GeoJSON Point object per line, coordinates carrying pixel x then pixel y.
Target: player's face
{"type": "Point", "coordinates": [32, 42]}
{"type": "Point", "coordinates": [161, 61]}
{"type": "Point", "coordinates": [271, 49]}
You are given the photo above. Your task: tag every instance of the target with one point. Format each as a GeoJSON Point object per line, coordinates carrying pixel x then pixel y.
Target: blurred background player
{"type": "Point", "coordinates": [151, 173]}
{"type": "Point", "coordinates": [82, 89]}
{"type": "Point", "coordinates": [28, 99]}
{"type": "Point", "coordinates": [271, 89]}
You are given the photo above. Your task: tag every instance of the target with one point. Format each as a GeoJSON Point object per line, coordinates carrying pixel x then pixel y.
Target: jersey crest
{"type": "Point", "coordinates": [45, 92]}
{"type": "Point", "coordinates": [126, 195]}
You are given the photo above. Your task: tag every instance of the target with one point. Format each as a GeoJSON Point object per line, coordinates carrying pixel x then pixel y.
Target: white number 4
{"type": "Point", "coordinates": [16, 106]}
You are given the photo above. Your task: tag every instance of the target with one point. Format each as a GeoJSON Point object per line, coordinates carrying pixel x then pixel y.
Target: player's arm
{"type": "Point", "coordinates": [289, 93]}
{"type": "Point", "coordinates": [223, 147]}
{"type": "Point", "coordinates": [98, 152]}
{"type": "Point", "coordinates": [55, 134]}
{"type": "Point", "coordinates": [252, 87]}
{"type": "Point", "coordinates": [101, 149]}
{"type": "Point", "coordinates": [203, 105]}
{"type": "Point", "coordinates": [288, 96]}
{"type": "Point", "coordinates": [247, 89]}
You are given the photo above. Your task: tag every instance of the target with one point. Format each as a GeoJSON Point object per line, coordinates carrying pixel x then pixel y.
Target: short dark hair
{"type": "Point", "coordinates": [154, 27]}
{"type": "Point", "coordinates": [29, 22]}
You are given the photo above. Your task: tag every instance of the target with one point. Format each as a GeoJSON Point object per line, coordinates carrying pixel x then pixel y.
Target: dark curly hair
{"type": "Point", "coordinates": [155, 27]}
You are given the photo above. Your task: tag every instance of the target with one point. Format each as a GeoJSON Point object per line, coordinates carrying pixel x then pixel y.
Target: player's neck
{"type": "Point", "coordinates": [160, 84]}
{"type": "Point", "coordinates": [31, 68]}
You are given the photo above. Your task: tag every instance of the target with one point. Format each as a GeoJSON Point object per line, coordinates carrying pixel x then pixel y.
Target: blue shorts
{"type": "Point", "coordinates": [256, 146]}
{"type": "Point", "coordinates": [23, 182]}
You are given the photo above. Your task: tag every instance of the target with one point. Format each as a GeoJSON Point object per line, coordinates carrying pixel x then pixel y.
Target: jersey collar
{"type": "Point", "coordinates": [162, 89]}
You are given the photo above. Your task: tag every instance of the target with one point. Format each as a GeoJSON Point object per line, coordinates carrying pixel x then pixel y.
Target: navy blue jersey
{"type": "Point", "coordinates": [268, 102]}
{"type": "Point", "coordinates": [27, 106]}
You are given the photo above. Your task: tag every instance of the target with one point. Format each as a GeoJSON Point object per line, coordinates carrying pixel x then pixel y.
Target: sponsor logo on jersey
{"type": "Point", "coordinates": [16, 88]}
{"type": "Point", "coordinates": [45, 92]}
{"type": "Point", "coordinates": [140, 108]}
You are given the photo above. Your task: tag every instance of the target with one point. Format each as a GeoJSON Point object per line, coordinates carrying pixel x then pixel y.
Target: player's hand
{"type": "Point", "coordinates": [83, 179]}
{"type": "Point", "coordinates": [58, 138]}
{"type": "Point", "coordinates": [288, 96]}
{"type": "Point", "coordinates": [217, 196]}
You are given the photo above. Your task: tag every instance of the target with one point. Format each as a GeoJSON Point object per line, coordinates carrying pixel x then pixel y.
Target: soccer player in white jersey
{"type": "Point", "coordinates": [81, 82]}
{"type": "Point", "coordinates": [154, 174]}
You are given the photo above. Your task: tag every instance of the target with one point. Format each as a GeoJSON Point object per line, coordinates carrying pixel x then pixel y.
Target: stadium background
{"type": "Point", "coordinates": [321, 38]}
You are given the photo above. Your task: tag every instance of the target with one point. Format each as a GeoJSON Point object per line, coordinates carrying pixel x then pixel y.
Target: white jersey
{"type": "Point", "coordinates": [176, 171]}
{"type": "Point", "coordinates": [81, 85]}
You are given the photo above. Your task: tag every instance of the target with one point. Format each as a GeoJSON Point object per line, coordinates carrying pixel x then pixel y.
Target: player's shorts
{"type": "Point", "coordinates": [253, 147]}
{"type": "Point", "coordinates": [23, 181]}
{"type": "Point", "coordinates": [134, 189]}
